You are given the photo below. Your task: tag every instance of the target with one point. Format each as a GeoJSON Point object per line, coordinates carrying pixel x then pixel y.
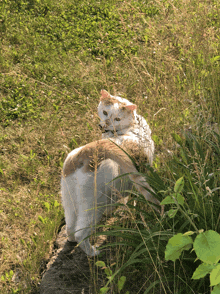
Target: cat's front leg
{"type": "Point", "coordinates": [89, 250]}
{"type": "Point", "coordinates": [71, 234]}
{"type": "Point", "coordinates": [84, 244]}
{"type": "Point", "coordinates": [95, 251]}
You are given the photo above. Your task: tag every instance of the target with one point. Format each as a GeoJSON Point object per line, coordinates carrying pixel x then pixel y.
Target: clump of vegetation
{"type": "Point", "coordinates": [190, 193]}
{"type": "Point", "coordinates": [55, 58]}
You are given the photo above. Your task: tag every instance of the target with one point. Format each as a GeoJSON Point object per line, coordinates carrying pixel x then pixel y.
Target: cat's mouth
{"type": "Point", "coordinates": [103, 129]}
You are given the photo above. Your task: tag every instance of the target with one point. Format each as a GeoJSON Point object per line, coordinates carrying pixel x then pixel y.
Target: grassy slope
{"type": "Point", "coordinates": [55, 57]}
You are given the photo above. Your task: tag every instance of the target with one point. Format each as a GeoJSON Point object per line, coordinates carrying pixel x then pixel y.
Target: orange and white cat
{"type": "Point", "coordinates": [120, 122]}
{"type": "Point", "coordinates": [88, 171]}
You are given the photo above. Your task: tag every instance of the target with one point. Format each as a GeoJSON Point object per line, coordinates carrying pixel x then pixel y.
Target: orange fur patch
{"type": "Point", "coordinates": [93, 153]}
{"type": "Point", "coordinates": [136, 151]}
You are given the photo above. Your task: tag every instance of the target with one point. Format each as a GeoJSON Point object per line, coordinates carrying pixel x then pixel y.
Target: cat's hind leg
{"type": "Point", "coordinates": [84, 228]}
{"type": "Point", "coordinates": [69, 205]}
{"type": "Point", "coordinates": [70, 218]}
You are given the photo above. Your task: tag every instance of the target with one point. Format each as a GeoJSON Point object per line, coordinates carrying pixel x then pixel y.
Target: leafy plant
{"type": "Point", "coordinates": [206, 244]}
{"type": "Point", "coordinates": [207, 248]}
{"type": "Point", "coordinates": [110, 276]}
{"type": "Point", "coordinates": [186, 207]}
{"type": "Point", "coordinates": [7, 276]}
{"type": "Point", "coordinates": [175, 198]}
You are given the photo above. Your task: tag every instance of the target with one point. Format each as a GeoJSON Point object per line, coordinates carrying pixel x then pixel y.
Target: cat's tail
{"type": "Point", "coordinates": [90, 156]}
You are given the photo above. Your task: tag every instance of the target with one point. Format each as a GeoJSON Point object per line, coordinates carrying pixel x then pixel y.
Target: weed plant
{"type": "Point", "coordinates": [146, 242]}
{"type": "Point", "coordinates": [55, 57]}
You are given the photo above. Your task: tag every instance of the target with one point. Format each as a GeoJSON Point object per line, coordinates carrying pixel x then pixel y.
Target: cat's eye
{"type": "Point", "coordinates": [117, 119]}
{"type": "Point", "coordinates": [105, 112]}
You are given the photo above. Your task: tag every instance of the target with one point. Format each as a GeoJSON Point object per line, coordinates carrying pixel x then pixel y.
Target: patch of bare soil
{"type": "Point", "coordinates": [68, 270]}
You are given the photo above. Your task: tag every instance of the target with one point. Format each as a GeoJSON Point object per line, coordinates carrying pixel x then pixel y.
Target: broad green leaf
{"type": "Point", "coordinates": [202, 270]}
{"type": "Point", "coordinates": [167, 200]}
{"type": "Point", "coordinates": [108, 272]}
{"type": "Point", "coordinates": [100, 263]}
{"type": "Point", "coordinates": [216, 289]}
{"type": "Point", "coordinates": [180, 199]}
{"type": "Point", "coordinates": [121, 282]}
{"type": "Point", "coordinates": [207, 247]}
{"type": "Point", "coordinates": [103, 290]}
{"type": "Point", "coordinates": [215, 276]}
{"type": "Point", "coordinates": [176, 245]}
{"type": "Point", "coordinates": [172, 212]}
{"type": "Point", "coordinates": [179, 185]}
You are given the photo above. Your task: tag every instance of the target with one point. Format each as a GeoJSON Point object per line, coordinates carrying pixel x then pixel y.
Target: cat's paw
{"type": "Point", "coordinates": [71, 240]}
{"type": "Point", "coordinates": [93, 251]}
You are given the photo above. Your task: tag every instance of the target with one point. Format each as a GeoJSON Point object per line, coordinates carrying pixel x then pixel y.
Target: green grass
{"type": "Point", "coordinates": [55, 57]}
{"type": "Point", "coordinates": [143, 241]}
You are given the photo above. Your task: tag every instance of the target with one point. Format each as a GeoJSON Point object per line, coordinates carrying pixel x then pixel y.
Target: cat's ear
{"type": "Point", "coordinates": [104, 95]}
{"type": "Point", "coordinates": [131, 107]}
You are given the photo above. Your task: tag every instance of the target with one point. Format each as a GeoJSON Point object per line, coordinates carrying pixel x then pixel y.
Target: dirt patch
{"type": "Point", "coordinates": [68, 271]}
{"type": "Point", "coordinates": [71, 271]}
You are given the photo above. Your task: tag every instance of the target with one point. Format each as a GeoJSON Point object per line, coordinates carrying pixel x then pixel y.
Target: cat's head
{"type": "Point", "coordinates": [116, 113]}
